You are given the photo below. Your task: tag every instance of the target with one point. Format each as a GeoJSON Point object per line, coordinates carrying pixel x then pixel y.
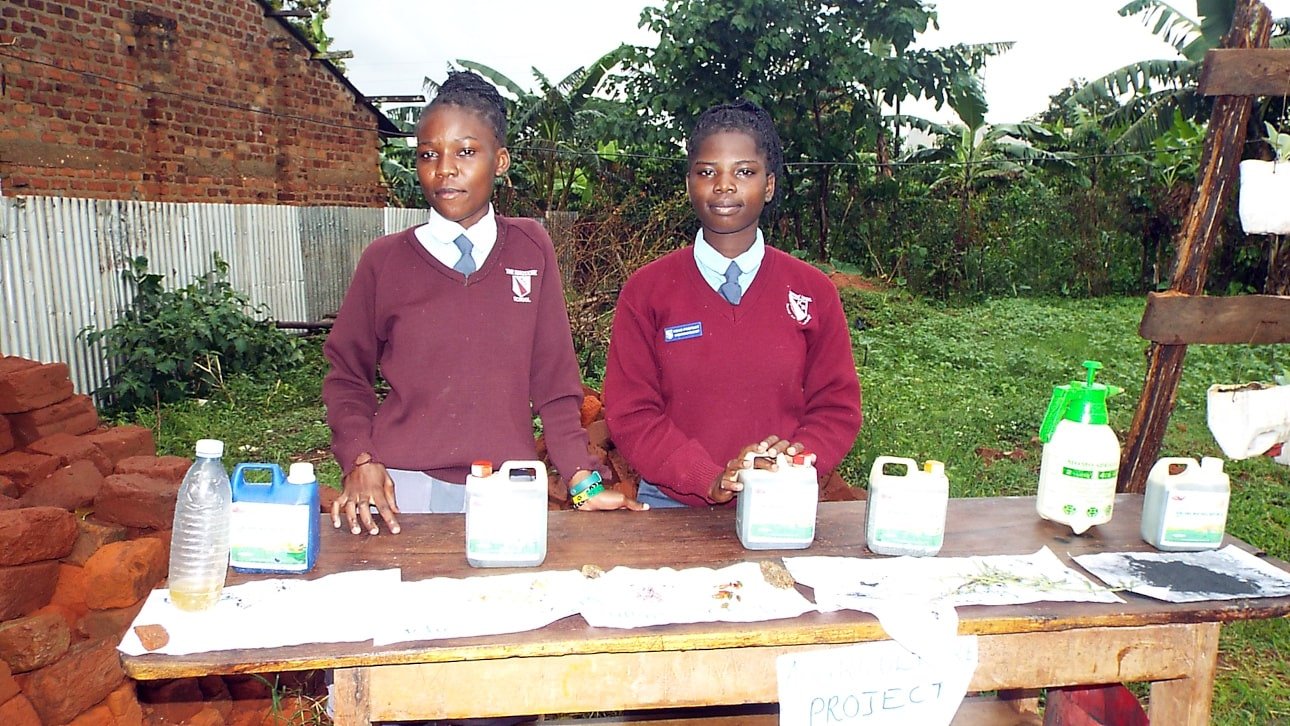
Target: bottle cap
{"type": "Point", "coordinates": [1211, 467]}
{"type": "Point", "coordinates": [210, 448]}
{"type": "Point", "coordinates": [803, 458]}
{"type": "Point", "coordinates": [932, 466]}
{"type": "Point", "coordinates": [481, 468]}
{"type": "Point", "coordinates": [301, 472]}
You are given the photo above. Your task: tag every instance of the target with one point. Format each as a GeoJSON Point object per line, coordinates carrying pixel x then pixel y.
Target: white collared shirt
{"type": "Point", "coordinates": [437, 236]}
{"type": "Point", "coordinates": [713, 264]}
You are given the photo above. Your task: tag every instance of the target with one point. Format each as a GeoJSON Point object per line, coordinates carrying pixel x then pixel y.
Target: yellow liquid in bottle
{"type": "Point", "coordinates": [194, 600]}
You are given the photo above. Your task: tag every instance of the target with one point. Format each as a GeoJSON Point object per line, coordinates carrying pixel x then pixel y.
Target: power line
{"type": "Point", "coordinates": [894, 163]}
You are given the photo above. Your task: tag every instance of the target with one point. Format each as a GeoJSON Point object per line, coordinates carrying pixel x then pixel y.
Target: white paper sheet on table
{"type": "Point", "coordinates": [267, 613]}
{"type": "Point", "coordinates": [914, 597]}
{"type": "Point", "coordinates": [849, 582]}
{"type": "Point", "coordinates": [443, 607]}
{"type": "Point", "coordinates": [629, 598]}
{"type": "Point", "coordinates": [1226, 574]}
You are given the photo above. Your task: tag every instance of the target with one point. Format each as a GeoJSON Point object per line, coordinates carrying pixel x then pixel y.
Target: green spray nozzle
{"type": "Point", "coordinates": [1092, 367]}
{"type": "Point", "coordinates": [1080, 401]}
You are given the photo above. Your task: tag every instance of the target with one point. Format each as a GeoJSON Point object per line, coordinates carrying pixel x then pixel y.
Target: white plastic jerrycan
{"type": "Point", "coordinates": [1081, 459]}
{"type": "Point", "coordinates": [506, 516]}
{"type": "Point", "coordinates": [776, 509]}
{"type": "Point", "coordinates": [905, 514]}
{"type": "Point", "coordinates": [1186, 510]}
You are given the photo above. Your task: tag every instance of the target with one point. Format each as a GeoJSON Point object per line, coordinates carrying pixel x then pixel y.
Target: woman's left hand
{"type": "Point", "coordinates": [609, 500]}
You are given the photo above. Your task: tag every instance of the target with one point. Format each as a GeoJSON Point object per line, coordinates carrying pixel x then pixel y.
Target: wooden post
{"type": "Point", "coordinates": [1176, 319]}
{"type": "Point", "coordinates": [1215, 182]}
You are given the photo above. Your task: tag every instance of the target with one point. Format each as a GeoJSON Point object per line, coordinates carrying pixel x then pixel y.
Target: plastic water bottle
{"type": "Point", "coordinates": [199, 541]}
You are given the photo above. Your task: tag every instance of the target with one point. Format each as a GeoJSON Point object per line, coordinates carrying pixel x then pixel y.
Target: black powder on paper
{"type": "Point", "coordinates": [1184, 577]}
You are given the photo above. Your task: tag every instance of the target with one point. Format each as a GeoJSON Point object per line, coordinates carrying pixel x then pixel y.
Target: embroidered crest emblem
{"type": "Point", "coordinates": [521, 284]}
{"type": "Point", "coordinates": [799, 307]}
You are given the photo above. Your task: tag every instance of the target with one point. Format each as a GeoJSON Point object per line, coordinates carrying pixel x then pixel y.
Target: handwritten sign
{"type": "Point", "coordinates": [873, 684]}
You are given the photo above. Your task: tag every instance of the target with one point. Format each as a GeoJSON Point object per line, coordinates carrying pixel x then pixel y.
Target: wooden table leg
{"type": "Point", "coordinates": [349, 697]}
{"type": "Point", "coordinates": [1024, 701]}
{"type": "Point", "coordinates": [1187, 701]}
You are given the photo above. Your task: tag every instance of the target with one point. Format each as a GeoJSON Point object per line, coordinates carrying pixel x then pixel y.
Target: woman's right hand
{"type": "Point", "coordinates": [759, 455]}
{"type": "Point", "coordinates": [368, 485]}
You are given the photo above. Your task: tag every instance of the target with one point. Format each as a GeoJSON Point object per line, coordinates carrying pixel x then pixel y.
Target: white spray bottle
{"type": "Point", "coordinates": [1081, 460]}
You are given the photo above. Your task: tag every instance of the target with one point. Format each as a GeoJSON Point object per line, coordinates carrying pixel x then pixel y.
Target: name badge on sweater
{"type": "Point", "coordinates": [683, 331]}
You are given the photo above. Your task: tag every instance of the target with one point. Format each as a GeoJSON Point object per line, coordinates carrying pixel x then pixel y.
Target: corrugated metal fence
{"type": "Point", "coordinates": [62, 259]}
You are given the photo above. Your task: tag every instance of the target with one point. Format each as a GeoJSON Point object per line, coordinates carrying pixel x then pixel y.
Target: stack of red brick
{"type": "Point", "coordinates": [85, 513]}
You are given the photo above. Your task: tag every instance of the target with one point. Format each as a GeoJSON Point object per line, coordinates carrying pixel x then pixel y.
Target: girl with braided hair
{"type": "Point", "coordinates": [728, 346]}
{"type": "Point", "coordinates": [464, 317]}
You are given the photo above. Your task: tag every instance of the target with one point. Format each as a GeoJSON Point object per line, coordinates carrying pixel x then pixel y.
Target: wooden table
{"type": "Point", "coordinates": [560, 668]}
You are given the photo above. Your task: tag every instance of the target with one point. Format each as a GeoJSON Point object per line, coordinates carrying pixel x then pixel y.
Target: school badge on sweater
{"type": "Point", "coordinates": [521, 284]}
{"type": "Point", "coordinates": [799, 307]}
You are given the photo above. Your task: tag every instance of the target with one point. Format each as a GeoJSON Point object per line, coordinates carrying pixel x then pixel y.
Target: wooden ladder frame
{"type": "Point", "coordinates": [1245, 67]}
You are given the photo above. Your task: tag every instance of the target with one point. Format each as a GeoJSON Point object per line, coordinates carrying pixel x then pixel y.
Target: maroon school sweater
{"type": "Point", "coordinates": [692, 379]}
{"type": "Point", "coordinates": [469, 361]}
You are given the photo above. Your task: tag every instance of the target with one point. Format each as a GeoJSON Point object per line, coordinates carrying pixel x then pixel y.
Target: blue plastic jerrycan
{"type": "Point", "coordinates": [275, 523]}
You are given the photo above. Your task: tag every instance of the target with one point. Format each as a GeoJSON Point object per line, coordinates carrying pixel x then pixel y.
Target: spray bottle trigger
{"type": "Point", "coordinates": [1056, 409]}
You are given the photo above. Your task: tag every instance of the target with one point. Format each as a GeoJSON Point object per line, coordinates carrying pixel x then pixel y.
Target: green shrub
{"type": "Point", "coordinates": [173, 344]}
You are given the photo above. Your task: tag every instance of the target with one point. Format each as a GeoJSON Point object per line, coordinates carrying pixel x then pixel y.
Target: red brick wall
{"type": "Point", "coordinates": [174, 100]}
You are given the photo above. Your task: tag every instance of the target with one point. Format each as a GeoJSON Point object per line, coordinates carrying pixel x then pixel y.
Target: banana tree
{"type": "Point", "coordinates": [399, 160]}
{"type": "Point", "coordinates": [1149, 92]}
{"type": "Point", "coordinates": [550, 128]}
{"type": "Point", "coordinates": [974, 154]}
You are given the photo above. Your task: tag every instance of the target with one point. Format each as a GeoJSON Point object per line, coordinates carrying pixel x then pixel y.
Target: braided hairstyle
{"type": "Point", "coordinates": [468, 90]}
{"type": "Point", "coordinates": [745, 116]}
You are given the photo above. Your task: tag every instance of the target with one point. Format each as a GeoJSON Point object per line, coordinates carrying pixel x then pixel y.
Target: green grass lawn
{"type": "Point", "coordinates": [964, 384]}
{"type": "Point", "coordinates": [944, 382]}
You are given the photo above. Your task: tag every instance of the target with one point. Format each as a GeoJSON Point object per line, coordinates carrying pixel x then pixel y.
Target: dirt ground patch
{"type": "Point", "coordinates": [844, 281]}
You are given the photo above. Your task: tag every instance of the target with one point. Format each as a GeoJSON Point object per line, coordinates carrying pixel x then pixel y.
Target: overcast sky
{"type": "Point", "coordinates": [397, 43]}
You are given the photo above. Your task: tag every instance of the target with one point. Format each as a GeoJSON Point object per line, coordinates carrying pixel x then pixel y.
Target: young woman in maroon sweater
{"type": "Point", "coordinates": [728, 346]}
{"type": "Point", "coordinates": [464, 318]}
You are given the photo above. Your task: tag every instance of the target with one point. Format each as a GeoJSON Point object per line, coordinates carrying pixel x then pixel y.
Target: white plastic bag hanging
{"type": "Point", "coordinates": [1248, 419]}
{"type": "Point", "coordinates": [1264, 203]}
